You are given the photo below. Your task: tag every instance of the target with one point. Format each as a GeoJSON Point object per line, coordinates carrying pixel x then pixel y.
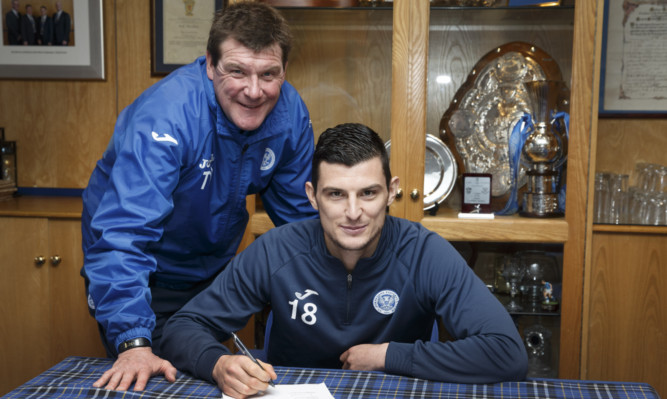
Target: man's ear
{"type": "Point", "coordinates": [210, 69]}
{"type": "Point", "coordinates": [310, 192]}
{"type": "Point", "coordinates": [393, 189]}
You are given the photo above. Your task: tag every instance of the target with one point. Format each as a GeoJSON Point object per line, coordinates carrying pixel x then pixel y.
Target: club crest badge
{"type": "Point", "coordinates": [385, 302]}
{"type": "Point", "coordinates": [268, 160]}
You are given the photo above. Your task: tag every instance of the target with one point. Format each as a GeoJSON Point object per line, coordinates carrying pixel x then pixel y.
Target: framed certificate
{"type": "Point", "coordinates": [476, 193]}
{"type": "Point", "coordinates": [188, 22]}
{"type": "Point", "coordinates": [633, 77]}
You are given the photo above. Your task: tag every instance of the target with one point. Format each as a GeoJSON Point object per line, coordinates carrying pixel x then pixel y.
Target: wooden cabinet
{"type": "Point", "coordinates": [44, 313]}
{"type": "Point", "coordinates": [341, 64]}
{"type": "Point", "coordinates": [626, 317]}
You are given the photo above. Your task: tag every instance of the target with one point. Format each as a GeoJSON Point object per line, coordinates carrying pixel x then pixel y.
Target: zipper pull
{"type": "Point", "coordinates": [349, 281]}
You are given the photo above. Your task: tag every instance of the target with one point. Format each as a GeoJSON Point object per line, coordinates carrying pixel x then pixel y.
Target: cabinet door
{"type": "Point", "coordinates": [627, 317]}
{"type": "Point", "coordinates": [74, 331]}
{"type": "Point", "coordinates": [24, 288]}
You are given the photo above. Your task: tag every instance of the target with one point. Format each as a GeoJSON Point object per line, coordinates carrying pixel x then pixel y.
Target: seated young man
{"type": "Point", "coordinates": [356, 289]}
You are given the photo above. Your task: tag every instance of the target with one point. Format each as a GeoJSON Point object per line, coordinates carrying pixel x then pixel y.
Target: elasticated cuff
{"type": "Point", "coordinates": [137, 332]}
{"type": "Point", "coordinates": [207, 361]}
{"type": "Point", "coordinates": [398, 359]}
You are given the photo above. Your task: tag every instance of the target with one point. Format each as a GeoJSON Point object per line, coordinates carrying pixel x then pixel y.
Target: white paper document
{"type": "Point", "coordinates": [294, 391]}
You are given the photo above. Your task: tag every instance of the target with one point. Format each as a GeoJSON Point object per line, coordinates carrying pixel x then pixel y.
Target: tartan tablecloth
{"type": "Point", "coordinates": [74, 377]}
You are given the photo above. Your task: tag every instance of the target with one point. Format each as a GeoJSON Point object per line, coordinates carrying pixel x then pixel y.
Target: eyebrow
{"type": "Point", "coordinates": [243, 67]}
{"type": "Point", "coordinates": [232, 65]}
{"type": "Point", "coordinates": [371, 187]}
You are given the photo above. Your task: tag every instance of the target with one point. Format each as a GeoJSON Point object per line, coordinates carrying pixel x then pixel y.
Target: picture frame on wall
{"type": "Point", "coordinates": [189, 22]}
{"type": "Point", "coordinates": [78, 55]}
{"type": "Point", "coordinates": [633, 77]}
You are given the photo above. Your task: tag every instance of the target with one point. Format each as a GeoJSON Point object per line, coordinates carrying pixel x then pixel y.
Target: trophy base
{"type": "Point", "coordinates": [541, 215]}
{"type": "Point", "coordinates": [540, 205]}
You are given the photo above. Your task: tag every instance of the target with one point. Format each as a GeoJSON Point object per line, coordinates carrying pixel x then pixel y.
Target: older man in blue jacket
{"type": "Point", "coordinates": [165, 207]}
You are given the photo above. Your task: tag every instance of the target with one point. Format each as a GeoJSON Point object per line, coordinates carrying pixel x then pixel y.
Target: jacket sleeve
{"type": "Point", "coordinates": [223, 307]}
{"type": "Point", "coordinates": [486, 347]}
{"type": "Point", "coordinates": [285, 198]}
{"type": "Point", "coordinates": [127, 220]}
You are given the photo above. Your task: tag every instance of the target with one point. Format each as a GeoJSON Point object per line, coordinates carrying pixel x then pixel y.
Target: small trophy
{"type": "Point", "coordinates": [549, 303]}
{"type": "Point", "coordinates": [545, 147]}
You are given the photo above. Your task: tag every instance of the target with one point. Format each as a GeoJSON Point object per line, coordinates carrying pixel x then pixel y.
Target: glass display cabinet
{"type": "Point", "coordinates": [396, 67]}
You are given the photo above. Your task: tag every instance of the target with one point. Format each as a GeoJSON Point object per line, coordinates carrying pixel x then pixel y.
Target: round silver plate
{"type": "Point", "coordinates": [440, 171]}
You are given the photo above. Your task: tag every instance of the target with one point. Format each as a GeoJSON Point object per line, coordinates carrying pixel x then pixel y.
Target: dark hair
{"type": "Point", "coordinates": [349, 144]}
{"type": "Point", "coordinates": [257, 26]}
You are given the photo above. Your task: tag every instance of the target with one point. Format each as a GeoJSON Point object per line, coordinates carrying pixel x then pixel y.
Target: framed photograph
{"type": "Point", "coordinates": [64, 41]}
{"type": "Point", "coordinates": [476, 193]}
{"type": "Point", "coordinates": [633, 77]}
{"type": "Point", "coordinates": [189, 22]}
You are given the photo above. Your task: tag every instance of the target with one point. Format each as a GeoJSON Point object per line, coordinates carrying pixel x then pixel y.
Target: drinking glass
{"type": "Point", "coordinates": [537, 339]}
{"type": "Point", "coordinates": [640, 207]}
{"type": "Point", "coordinates": [626, 208]}
{"type": "Point", "coordinates": [656, 206]}
{"type": "Point", "coordinates": [618, 186]}
{"type": "Point", "coordinates": [643, 176]}
{"type": "Point", "coordinates": [660, 179]}
{"type": "Point", "coordinates": [513, 273]}
{"type": "Point", "coordinates": [539, 267]}
{"type": "Point", "coordinates": [601, 201]}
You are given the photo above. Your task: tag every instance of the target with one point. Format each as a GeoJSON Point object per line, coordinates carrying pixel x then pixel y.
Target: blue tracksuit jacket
{"type": "Point", "coordinates": [167, 200]}
{"type": "Point", "coordinates": [320, 310]}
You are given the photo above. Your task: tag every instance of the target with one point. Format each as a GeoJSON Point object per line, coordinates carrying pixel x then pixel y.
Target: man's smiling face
{"type": "Point", "coordinates": [247, 83]}
{"type": "Point", "coordinates": [352, 202]}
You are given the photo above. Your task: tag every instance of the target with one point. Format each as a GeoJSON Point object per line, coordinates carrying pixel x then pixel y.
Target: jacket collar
{"type": "Point", "coordinates": [366, 267]}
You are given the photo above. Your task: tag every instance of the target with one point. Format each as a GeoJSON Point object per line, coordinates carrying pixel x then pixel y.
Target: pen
{"type": "Point", "coordinates": [246, 352]}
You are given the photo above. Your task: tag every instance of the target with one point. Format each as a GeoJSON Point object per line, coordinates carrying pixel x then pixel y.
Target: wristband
{"type": "Point", "coordinates": [133, 343]}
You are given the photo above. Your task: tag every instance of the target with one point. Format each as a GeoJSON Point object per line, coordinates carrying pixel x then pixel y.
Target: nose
{"type": "Point", "coordinates": [253, 89]}
{"type": "Point", "coordinates": [353, 210]}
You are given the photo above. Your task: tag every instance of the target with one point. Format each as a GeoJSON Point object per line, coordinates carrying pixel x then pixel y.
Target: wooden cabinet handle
{"type": "Point", "coordinates": [39, 260]}
{"type": "Point", "coordinates": [55, 260]}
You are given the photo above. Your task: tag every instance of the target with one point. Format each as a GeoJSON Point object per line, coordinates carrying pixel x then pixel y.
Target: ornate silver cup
{"type": "Point", "coordinates": [545, 148]}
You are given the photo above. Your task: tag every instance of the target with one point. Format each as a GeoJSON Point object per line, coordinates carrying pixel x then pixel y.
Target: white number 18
{"type": "Point", "coordinates": [309, 310]}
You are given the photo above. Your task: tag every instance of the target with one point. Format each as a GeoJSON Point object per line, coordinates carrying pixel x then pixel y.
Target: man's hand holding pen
{"type": "Point", "coordinates": [242, 376]}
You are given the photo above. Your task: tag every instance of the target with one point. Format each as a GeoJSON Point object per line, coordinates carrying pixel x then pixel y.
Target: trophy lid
{"type": "Point", "coordinates": [546, 97]}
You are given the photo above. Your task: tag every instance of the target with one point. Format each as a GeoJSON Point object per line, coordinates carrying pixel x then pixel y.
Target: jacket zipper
{"type": "Point", "coordinates": [239, 175]}
{"type": "Point", "coordinates": [347, 305]}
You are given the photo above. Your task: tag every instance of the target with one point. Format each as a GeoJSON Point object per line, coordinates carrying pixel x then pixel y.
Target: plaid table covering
{"type": "Point", "coordinates": [74, 376]}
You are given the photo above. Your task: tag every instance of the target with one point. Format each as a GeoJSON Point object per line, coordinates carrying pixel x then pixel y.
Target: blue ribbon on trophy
{"type": "Point", "coordinates": [520, 133]}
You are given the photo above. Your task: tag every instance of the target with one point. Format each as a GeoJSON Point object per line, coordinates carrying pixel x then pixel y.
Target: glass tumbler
{"type": "Point", "coordinates": [618, 186]}
{"type": "Point", "coordinates": [602, 197]}
{"type": "Point", "coordinates": [656, 209]}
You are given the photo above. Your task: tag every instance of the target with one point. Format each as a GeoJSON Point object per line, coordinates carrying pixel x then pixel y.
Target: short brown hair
{"type": "Point", "coordinates": [257, 26]}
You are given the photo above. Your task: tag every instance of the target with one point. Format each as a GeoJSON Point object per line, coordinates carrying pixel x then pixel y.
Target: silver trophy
{"type": "Point", "coordinates": [545, 147]}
